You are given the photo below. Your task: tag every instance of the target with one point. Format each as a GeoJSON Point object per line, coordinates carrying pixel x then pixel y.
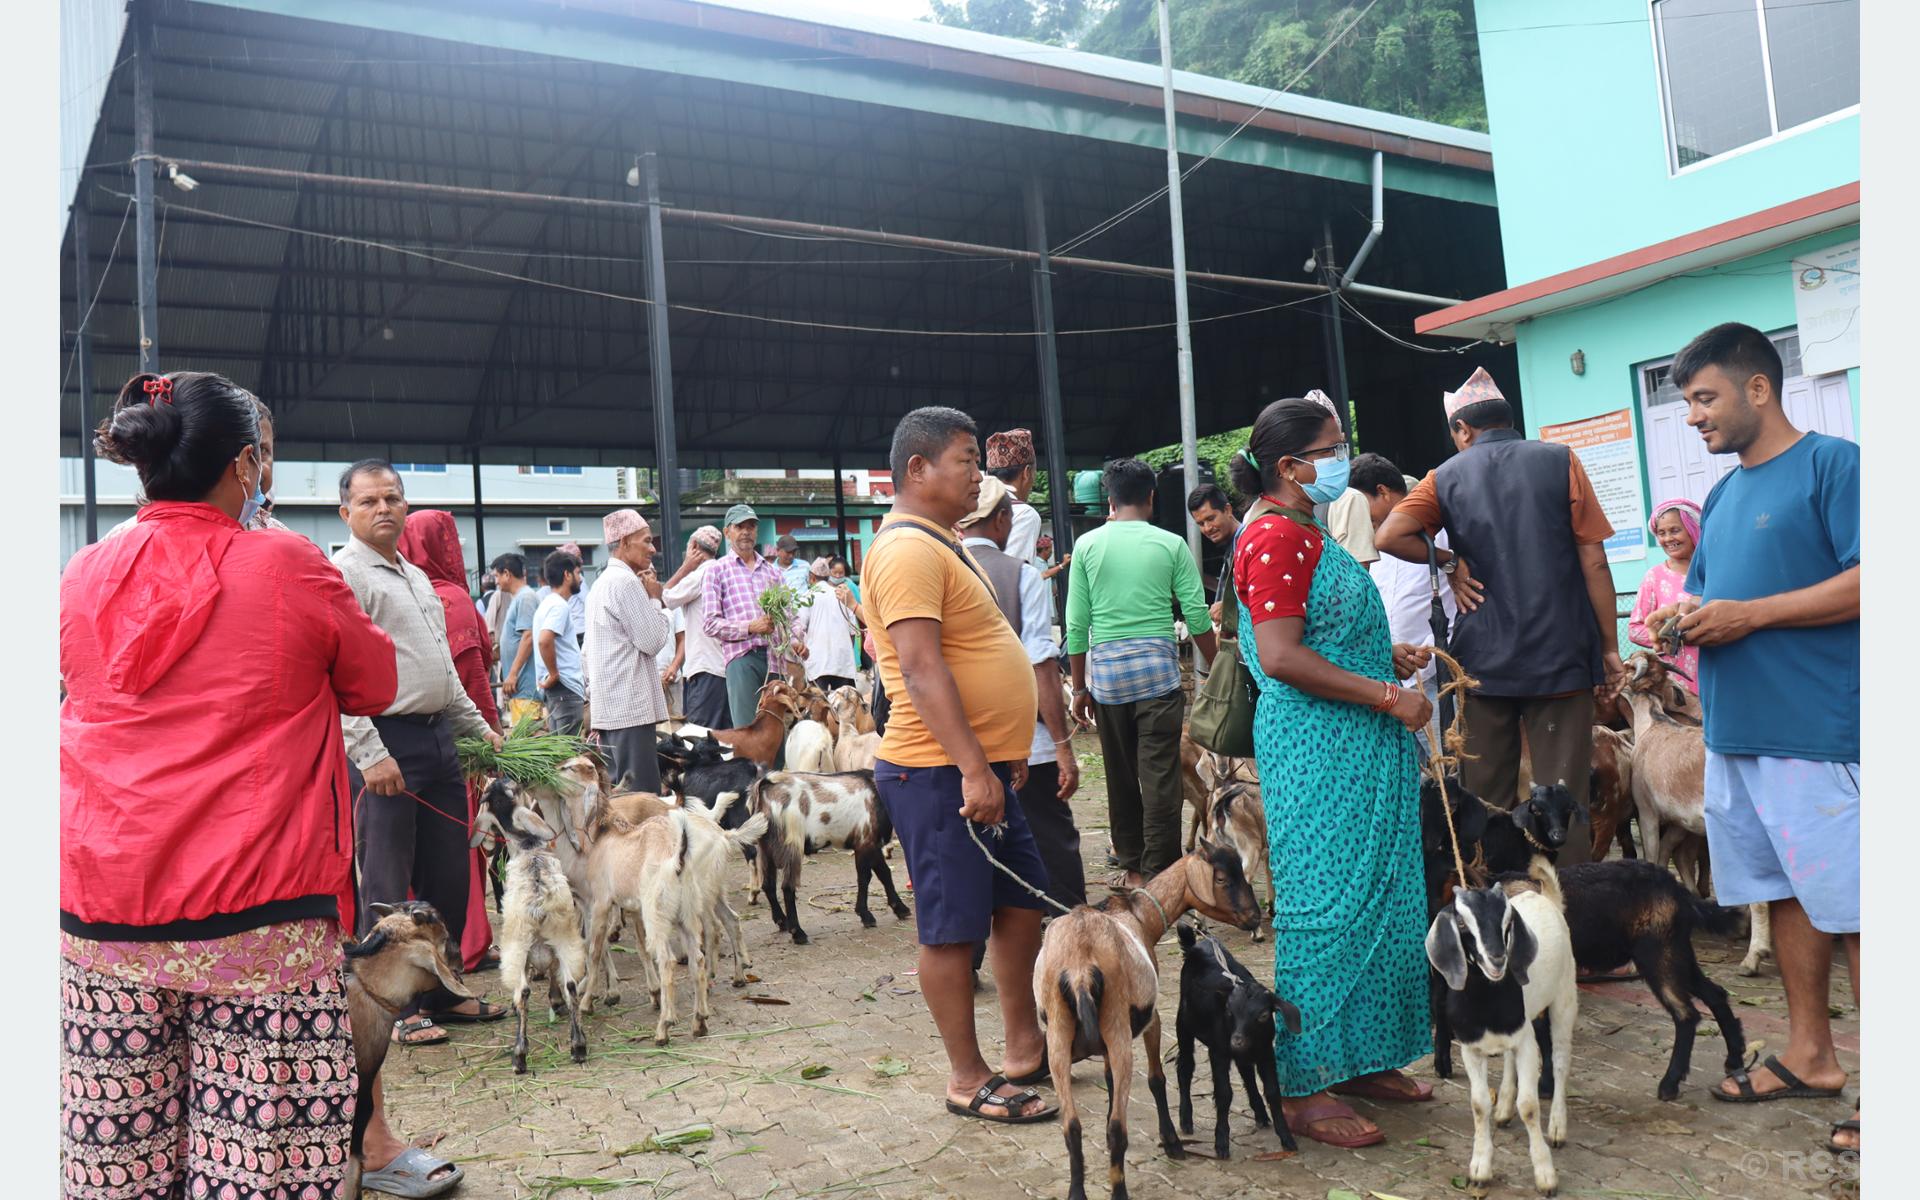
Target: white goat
{"type": "Point", "coordinates": [1507, 957]}
{"type": "Point", "coordinates": [669, 871]}
{"type": "Point", "coordinates": [539, 923]}
{"type": "Point", "coordinates": [858, 745]}
{"type": "Point", "coordinates": [809, 747]}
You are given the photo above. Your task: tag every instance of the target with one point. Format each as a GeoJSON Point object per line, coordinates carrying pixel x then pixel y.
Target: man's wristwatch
{"type": "Point", "coordinates": [1447, 567]}
{"type": "Point", "coordinates": [1082, 691]}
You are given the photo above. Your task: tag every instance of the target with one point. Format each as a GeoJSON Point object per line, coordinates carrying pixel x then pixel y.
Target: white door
{"type": "Point", "coordinates": [1678, 464]}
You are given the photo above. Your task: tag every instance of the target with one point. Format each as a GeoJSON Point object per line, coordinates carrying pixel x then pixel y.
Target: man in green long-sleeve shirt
{"type": "Point", "coordinates": [1121, 591]}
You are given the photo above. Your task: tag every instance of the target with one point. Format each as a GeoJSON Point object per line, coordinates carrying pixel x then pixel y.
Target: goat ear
{"type": "Point", "coordinates": [528, 822]}
{"type": "Point", "coordinates": [1289, 1015]}
{"type": "Point", "coordinates": [1523, 950]}
{"type": "Point", "coordinates": [433, 958]}
{"type": "Point", "coordinates": [481, 830]}
{"type": "Point", "coordinates": [1445, 952]}
{"type": "Point", "coordinates": [368, 945]}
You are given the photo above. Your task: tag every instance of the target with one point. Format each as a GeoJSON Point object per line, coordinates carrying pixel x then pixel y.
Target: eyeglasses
{"type": "Point", "coordinates": [1338, 452]}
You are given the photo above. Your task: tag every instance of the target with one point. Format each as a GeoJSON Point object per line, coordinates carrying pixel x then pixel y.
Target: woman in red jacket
{"type": "Point", "coordinates": [431, 541]}
{"type": "Point", "coordinates": [206, 827]}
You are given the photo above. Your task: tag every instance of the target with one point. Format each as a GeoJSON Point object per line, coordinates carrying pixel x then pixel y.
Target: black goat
{"type": "Point", "coordinates": [1224, 1007]}
{"type": "Point", "coordinates": [1629, 910]}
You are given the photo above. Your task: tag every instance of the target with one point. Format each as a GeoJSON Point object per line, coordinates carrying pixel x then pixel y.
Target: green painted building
{"type": "Point", "coordinates": [1662, 167]}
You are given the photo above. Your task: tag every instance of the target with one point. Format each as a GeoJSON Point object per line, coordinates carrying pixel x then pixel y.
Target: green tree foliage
{"type": "Point", "coordinates": [1216, 450]}
{"type": "Point", "coordinates": [1416, 58]}
{"type": "Point", "coordinates": [1055, 22]}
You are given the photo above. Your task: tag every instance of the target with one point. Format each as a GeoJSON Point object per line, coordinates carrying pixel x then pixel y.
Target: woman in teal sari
{"type": "Point", "coordinates": [1340, 781]}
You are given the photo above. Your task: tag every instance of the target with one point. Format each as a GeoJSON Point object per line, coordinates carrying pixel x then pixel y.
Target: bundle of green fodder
{"type": "Point", "coordinates": [527, 755]}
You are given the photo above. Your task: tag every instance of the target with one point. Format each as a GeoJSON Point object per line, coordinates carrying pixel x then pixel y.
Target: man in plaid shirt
{"type": "Point", "coordinates": [730, 600]}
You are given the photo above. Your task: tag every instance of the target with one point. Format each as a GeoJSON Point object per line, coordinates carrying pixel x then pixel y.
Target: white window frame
{"type": "Point", "coordinates": [1674, 169]}
{"type": "Point", "coordinates": [560, 526]}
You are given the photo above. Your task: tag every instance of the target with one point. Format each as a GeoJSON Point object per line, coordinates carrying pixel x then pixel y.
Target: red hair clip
{"type": "Point", "coordinates": [159, 390]}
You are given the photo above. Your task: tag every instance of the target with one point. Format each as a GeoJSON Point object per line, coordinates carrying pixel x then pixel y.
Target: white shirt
{"type": "Point", "coordinates": [703, 652]}
{"type": "Point", "coordinates": [1036, 635]}
{"type": "Point", "coordinates": [676, 623]}
{"type": "Point", "coordinates": [1407, 590]}
{"type": "Point", "coordinates": [1025, 537]}
{"type": "Point", "coordinates": [828, 632]}
{"type": "Point", "coordinates": [625, 632]}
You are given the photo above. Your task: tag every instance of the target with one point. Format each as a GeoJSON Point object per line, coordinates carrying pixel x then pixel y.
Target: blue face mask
{"type": "Point", "coordinates": [1329, 480]}
{"type": "Point", "coordinates": [251, 504]}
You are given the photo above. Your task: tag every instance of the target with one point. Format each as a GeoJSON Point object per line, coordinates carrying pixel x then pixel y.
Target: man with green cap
{"type": "Point", "coordinates": [731, 613]}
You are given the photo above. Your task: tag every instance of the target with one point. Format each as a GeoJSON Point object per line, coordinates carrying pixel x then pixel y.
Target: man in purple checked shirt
{"type": "Point", "coordinates": [732, 616]}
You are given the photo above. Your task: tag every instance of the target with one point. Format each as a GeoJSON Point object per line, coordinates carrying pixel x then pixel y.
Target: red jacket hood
{"type": "Point", "coordinates": [148, 594]}
{"type": "Point", "coordinates": [431, 541]}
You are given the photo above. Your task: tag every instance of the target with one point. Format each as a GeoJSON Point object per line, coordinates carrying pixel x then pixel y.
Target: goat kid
{"type": "Point", "coordinates": [1231, 1013]}
{"type": "Point", "coordinates": [806, 812]}
{"type": "Point", "coordinates": [857, 745]}
{"type": "Point", "coordinates": [540, 927]}
{"type": "Point", "coordinates": [406, 954]}
{"type": "Point", "coordinates": [1095, 983]}
{"type": "Point", "coordinates": [762, 738]}
{"type": "Point", "coordinates": [1610, 792]}
{"type": "Point", "coordinates": [1507, 957]}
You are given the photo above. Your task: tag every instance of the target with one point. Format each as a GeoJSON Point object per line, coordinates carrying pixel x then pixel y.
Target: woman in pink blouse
{"type": "Point", "coordinates": [1676, 526]}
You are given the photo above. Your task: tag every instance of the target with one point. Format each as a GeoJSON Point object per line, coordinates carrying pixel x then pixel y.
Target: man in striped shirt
{"type": "Point", "coordinates": [731, 612]}
{"type": "Point", "coordinates": [625, 630]}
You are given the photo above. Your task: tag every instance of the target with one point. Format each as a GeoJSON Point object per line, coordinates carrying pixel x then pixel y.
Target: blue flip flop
{"type": "Point", "coordinates": [408, 1176]}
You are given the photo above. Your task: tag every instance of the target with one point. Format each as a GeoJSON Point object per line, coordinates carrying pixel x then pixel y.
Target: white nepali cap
{"type": "Point", "coordinates": [1479, 386]}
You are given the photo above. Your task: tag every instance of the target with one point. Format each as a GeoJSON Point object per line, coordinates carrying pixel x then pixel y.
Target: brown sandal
{"type": "Point", "coordinates": [1306, 1119]}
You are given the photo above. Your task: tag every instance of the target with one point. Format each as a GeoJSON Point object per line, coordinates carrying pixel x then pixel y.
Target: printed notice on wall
{"type": "Point", "coordinates": [1826, 306]}
{"type": "Point", "coordinates": [1612, 460]}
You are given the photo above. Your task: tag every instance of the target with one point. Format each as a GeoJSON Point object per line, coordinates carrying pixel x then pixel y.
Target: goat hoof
{"type": "Point", "coordinates": [1503, 1122]}
{"type": "Point", "coordinates": [799, 937]}
{"type": "Point", "coordinates": [659, 1039]}
{"type": "Point", "coordinates": [1669, 1091]}
{"type": "Point", "coordinates": [1556, 1142]}
{"type": "Point", "coordinates": [519, 1064]}
{"type": "Point", "coordinates": [740, 983]}
{"type": "Point", "coordinates": [580, 1054]}
{"type": "Point", "coordinates": [867, 921]}
{"type": "Point", "coordinates": [700, 1027]}
{"type": "Point", "coordinates": [1222, 1151]}
{"type": "Point", "coordinates": [901, 912]}
{"type": "Point", "coordinates": [1478, 1188]}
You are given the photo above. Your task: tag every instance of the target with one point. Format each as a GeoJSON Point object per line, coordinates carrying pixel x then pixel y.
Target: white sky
{"type": "Point", "coordinates": [905, 10]}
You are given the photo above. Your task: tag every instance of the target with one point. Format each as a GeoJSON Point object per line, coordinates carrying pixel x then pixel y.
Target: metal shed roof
{"type": "Point", "coordinates": [432, 328]}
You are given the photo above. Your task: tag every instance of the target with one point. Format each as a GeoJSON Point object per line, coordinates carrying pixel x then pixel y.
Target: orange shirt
{"type": "Point", "coordinates": [1590, 524]}
{"type": "Point", "coordinates": [914, 576]}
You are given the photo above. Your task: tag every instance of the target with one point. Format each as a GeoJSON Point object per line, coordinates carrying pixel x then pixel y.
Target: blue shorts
{"type": "Point", "coordinates": [1786, 828]}
{"type": "Point", "coordinates": [955, 889]}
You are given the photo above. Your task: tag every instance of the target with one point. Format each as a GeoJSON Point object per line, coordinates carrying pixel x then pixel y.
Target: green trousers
{"type": "Point", "coordinates": [1140, 741]}
{"type": "Point", "coordinates": [746, 675]}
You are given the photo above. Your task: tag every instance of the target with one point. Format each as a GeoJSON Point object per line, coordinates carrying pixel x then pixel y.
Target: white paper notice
{"type": "Point", "coordinates": [1826, 304]}
{"type": "Point", "coordinates": [1606, 448]}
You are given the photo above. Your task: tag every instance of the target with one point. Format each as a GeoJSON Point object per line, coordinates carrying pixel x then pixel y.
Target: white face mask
{"type": "Point", "coordinates": [253, 502]}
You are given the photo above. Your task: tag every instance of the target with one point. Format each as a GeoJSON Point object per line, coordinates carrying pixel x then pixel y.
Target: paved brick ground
{"type": "Point", "coordinates": [851, 1006]}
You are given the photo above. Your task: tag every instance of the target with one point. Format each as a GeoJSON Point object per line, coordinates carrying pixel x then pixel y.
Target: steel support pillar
{"type": "Point", "coordinates": [1334, 337]}
{"type": "Point", "coordinates": [660, 359]}
{"type": "Point", "coordinates": [479, 521]}
{"type": "Point", "coordinates": [83, 361]}
{"type": "Point", "coordinates": [1052, 425]}
{"type": "Point", "coordinates": [840, 505]}
{"type": "Point", "coordinates": [147, 266]}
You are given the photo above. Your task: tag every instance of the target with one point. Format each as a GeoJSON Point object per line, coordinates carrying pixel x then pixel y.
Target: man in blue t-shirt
{"type": "Point", "coordinates": [518, 679]}
{"type": "Point", "coordinates": [1777, 573]}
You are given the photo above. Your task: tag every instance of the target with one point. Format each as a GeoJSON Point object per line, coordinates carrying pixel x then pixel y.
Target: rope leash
{"type": "Point", "coordinates": [1010, 873]}
{"type": "Point", "coordinates": [460, 821]}
{"type": "Point", "coordinates": [1448, 749]}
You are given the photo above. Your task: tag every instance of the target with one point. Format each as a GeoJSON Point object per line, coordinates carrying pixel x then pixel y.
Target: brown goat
{"type": "Point", "coordinates": [1095, 983]}
{"type": "Point", "coordinates": [406, 954]}
{"type": "Point", "coordinates": [1610, 795]}
{"type": "Point", "coordinates": [780, 706]}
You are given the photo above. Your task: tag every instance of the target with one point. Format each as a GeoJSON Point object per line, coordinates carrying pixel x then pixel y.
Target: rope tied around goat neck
{"type": "Point", "coordinates": [1449, 750]}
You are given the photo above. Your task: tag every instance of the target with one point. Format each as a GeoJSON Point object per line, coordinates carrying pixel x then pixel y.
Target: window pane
{"type": "Point", "coordinates": [1814, 46]}
{"type": "Point", "coordinates": [1716, 87]}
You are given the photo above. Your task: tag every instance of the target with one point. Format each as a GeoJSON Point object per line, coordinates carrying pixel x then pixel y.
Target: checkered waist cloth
{"type": "Point", "coordinates": [1120, 672]}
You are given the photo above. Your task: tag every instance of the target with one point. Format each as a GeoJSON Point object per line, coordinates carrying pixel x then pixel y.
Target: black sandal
{"type": "Point", "coordinates": [1795, 1089]}
{"type": "Point", "coordinates": [1040, 1074]}
{"type": "Point", "coordinates": [486, 1012]}
{"type": "Point", "coordinates": [1008, 1104]}
{"type": "Point", "coordinates": [1852, 1125]}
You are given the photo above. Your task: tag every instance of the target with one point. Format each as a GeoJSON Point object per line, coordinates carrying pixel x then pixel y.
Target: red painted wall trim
{"type": "Point", "coordinates": [1688, 243]}
{"type": "Point", "coordinates": [855, 43]}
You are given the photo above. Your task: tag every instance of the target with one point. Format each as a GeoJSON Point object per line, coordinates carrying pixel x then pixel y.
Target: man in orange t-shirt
{"type": "Point", "coordinates": [955, 747]}
{"type": "Point", "coordinates": [1537, 615]}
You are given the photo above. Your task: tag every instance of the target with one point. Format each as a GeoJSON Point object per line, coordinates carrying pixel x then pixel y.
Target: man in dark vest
{"type": "Point", "coordinates": [1053, 773]}
{"type": "Point", "coordinates": [1537, 616]}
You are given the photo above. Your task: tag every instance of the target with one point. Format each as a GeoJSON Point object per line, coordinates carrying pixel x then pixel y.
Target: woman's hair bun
{"type": "Point", "coordinates": [141, 429]}
{"type": "Point", "coordinates": [180, 431]}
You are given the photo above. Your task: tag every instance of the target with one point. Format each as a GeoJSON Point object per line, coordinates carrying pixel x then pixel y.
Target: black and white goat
{"type": "Point", "coordinates": [705, 770]}
{"type": "Point", "coordinates": [1630, 910]}
{"type": "Point", "coordinates": [1231, 1013]}
{"type": "Point", "coordinates": [808, 812]}
{"type": "Point", "coordinates": [540, 926]}
{"type": "Point", "coordinates": [1507, 957]}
